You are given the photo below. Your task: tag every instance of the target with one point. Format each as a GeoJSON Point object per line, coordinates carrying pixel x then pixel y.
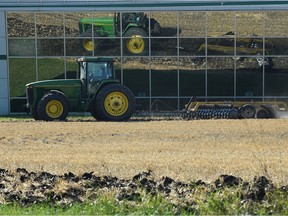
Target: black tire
{"type": "Point", "coordinates": [114, 102]}
{"type": "Point", "coordinates": [135, 42]}
{"type": "Point", "coordinates": [233, 114]}
{"type": "Point", "coordinates": [34, 114]}
{"type": "Point", "coordinates": [88, 44]}
{"type": "Point", "coordinates": [52, 107]}
{"type": "Point", "coordinates": [262, 114]}
{"type": "Point", "coordinates": [248, 111]}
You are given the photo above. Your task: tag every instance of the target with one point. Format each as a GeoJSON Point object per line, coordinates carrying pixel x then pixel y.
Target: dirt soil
{"type": "Point", "coordinates": [182, 150]}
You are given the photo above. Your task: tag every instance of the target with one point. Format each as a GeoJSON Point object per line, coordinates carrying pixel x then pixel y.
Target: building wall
{"type": "Point", "coordinates": [4, 93]}
{"type": "Point", "coordinates": [210, 55]}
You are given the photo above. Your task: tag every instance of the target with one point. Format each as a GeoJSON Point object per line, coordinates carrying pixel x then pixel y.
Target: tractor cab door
{"type": "Point", "coordinates": [96, 72]}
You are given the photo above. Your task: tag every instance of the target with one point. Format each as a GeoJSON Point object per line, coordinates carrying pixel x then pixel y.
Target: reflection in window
{"type": "Point", "coordinates": [249, 80]}
{"type": "Point", "coordinates": [164, 76]}
{"type": "Point", "coordinates": [20, 24]}
{"type": "Point", "coordinates": [167, 21]}
{"type": "Point", "coordinates": [192, 24]}
{"type": "Point", "coordinates": [220, 23]}
{"type": "Point", "coordinates": [191, 78]}
{"type": "Point", "coordinates": [21, 72]}
{"type": "Point", "coordinates": [220, 77]}
{"type": "Point", "coordinates": [249, 23]}
{"type": "Point", "coordinates": [218, 46]}
{"type": "Point", "coordinates": [249, 46]}
{"type": "Point", "coordinates": [50, 47]}
{"type": "Point", "coordinates": [276, 46]}
{"type": "Point", "coordinates": [49, 24]}
{"type": "Point", "coordinates": [276, 23]}
{"type": "Point", "coordinates": [276, 79]}
{"type": "Point", "coordinates": [21, 47]}
{"type": "Point", "coordinates": [51, 68]}
{"type": "Point", "coordinates": [136, 75]}
{"type": "Point", "coordinates": [164, 47]}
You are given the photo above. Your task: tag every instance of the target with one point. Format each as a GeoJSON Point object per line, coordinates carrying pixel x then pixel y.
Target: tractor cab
{"type": "Point", "coordinates": [93, 71]}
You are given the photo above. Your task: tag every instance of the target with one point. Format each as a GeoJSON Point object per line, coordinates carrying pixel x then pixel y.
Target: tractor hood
{"type": "Point", "coordinates": [98, 20]}
{"type": "Point", "coordinates": [55, 83]}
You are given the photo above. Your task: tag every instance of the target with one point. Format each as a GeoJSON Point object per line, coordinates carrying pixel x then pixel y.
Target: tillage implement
{"type": "Point", "coordinates": [234, 109]}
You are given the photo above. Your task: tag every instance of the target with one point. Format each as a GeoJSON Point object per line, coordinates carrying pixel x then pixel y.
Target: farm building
{"type": "Point", "coordinates": [212, 50]}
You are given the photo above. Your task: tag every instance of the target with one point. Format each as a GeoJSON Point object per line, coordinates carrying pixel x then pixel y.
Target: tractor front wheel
{"type": "Point", "coordinates": [89, 44]}
{"type": "Point", "coordinates": [52, 107]}
{"type": "Point", "coordinates": [114, 102]}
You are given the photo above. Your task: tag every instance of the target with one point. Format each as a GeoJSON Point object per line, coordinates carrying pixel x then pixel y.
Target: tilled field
{"type": "Point", "coordinates": [67, 162]}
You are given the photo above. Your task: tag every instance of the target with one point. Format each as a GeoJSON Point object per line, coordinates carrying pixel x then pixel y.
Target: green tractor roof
{"type": "Point", "coordinates": [94, 59]}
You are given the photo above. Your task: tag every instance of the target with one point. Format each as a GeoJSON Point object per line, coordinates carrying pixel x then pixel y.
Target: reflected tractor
{"type": "Point", "coordinates": [135, 30]}
{"type": "Point", "coordinates": [95, 89]}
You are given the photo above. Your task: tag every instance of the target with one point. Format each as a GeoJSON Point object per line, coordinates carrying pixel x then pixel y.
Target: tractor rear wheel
{"type": "Point", "coordinates": [114, 102]}
{"type": "Point", "coordinates": [34, 114]}
{"type": "Point", "coordinates": [135, 42]}
{"type": "Point", "coordinates": [52, 107]}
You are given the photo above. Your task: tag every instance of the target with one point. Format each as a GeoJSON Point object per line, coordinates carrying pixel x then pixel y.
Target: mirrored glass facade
{"type": "Point", "coordinates": [164, 57]}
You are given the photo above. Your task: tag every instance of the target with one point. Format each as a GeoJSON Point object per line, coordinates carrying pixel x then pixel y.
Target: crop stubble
{"type": "Point", "coordinates": [184, 150]}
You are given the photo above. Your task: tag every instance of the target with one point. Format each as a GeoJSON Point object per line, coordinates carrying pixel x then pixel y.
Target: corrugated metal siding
{"type": "Point", "coordinates": [98, 5]}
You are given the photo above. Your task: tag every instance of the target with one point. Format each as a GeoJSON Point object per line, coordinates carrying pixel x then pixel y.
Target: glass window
{"type": "Point", "coordinates": [220, 23]}
{"type": "Point", "coordinates": [21, 72]}
{"type": "Point", "coordinates": [71, 68]}
{"type": "Point", "coordinates": [167, 21]}
{"type": "Point", "coordinates": [50, 24]}
{"type": "Point", "coordinates": [20, 24]}
{"type": "Point", "coordinates": [191, 46]}
{"type": "Point", "coordinates": [164, 76]}
{"type": "Point", "coordinates": [191, 78]}
{"type": "Point", "coordinates": [220, 77]}
{"type": "Point", "coordinates": [73, 24]}
{"type": "Point", "coordinates": [249, 23]}
{"type": "Point", "coordinates": [164, 47]}
{"type": "Point", "coordinates": [51, 68]}
{"type": "Point", "coordinates": [50, 47]}
{"type": "Point", "coordinates": [136, 75]}
{"type": "Point", "coordinates": [249, 78]}
{"type": "Point", "coordinates": [249, 46]}
{"type": "Point", "coordinates": [164, 104]}
{"type": "Point", "coordinates": [276, 46]}
{"type": "Point", "coordinates": [276, 23]}
{"type": "Point", "coordinates": [219, 46]}
{"type": "Point", "coordinates": [21, 47]}
{"type": "Point", "coordinates": [276, 78]}
{"type": "Point", "coordinates": [192, 24]}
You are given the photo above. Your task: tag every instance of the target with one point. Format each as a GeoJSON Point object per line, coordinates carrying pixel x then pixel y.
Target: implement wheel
{"type": "Point", "coordinates": [248, 111]}
{"type": "Point", "coordinates": [114, 102]}
{"type": "Point", "coordinates": [135, 43]}
{"type": "Point", "coordinates": [52, 107]}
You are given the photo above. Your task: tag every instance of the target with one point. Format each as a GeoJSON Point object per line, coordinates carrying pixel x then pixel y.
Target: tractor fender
{"type": "Point", "coordinates": [104, 83]}
{"type": "Point", "coordinates": [58, 92]}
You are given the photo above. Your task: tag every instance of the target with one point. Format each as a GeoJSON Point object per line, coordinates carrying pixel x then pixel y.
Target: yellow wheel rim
{"type": "Point", "coordinates": [135, 44]}
{"type": "Point", "coordinates": [88, 44]}
{"type": "Point", "coordinates": [54, 109]}
{"type": "Point", "coordinates": [116, 103]}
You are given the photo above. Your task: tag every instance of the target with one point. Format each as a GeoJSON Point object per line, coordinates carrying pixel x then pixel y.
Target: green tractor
{"type": "Point", "coordinates": [95, 90]}
{"type": "Point", "coordinates": [135, 30]}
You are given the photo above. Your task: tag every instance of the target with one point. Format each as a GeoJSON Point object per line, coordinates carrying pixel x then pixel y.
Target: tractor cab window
{"type": "Point", "coordinates": [96, 72]}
